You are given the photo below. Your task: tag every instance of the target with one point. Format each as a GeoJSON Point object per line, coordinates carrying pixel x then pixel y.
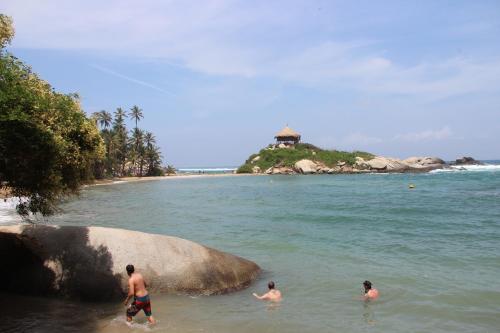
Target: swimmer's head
{"type": "Point", "coordinates": [368, 285]}
{"type": "Point", "coordinates": [270, 285]}
{"type": "Point", "coordinates": [130, 269]}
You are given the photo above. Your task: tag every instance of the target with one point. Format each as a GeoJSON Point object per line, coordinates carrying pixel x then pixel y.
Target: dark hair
{"type": "Point", "coordinates": [270, 285]}
{"type": "Point", "coordinates": [130, 269]}
{"type": "Point", "coordinates": [368, 285]}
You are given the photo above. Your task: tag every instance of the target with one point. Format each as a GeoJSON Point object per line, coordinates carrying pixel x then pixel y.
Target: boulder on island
{"type": "Point", "coordinates": [306, 166]}
{"type": "Point", "coordinates": [424, 163]}
{"type": "Point", "coordinates": [88, 263]}
{"type": "Point", "coordinates": [380, 163]}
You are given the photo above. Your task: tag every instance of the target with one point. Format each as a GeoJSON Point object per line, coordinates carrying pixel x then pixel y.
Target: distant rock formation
{"type": "Point", "coordinates": [376, 164]}
{"type": "Point", "coordinates": [88, 263]}
{"type": "Point", "coordinates": [306, 159]}
{"type": "Point", "coordinates": [467, 161]}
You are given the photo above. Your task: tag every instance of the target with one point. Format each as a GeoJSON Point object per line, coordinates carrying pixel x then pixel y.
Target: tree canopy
{"type": "Point", "coordinates": [47, 145]}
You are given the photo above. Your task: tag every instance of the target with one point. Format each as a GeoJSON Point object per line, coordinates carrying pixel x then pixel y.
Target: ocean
{"type": "Point", "coordinates": [433, 252]}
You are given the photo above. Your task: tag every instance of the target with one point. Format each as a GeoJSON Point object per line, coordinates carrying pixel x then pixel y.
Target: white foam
{"type": "Point", "coordinates": [121, 321]}
{"type": "Point", "coordinates": [469, 168]}
{"type": "Point", "coordinates": [8, 214]}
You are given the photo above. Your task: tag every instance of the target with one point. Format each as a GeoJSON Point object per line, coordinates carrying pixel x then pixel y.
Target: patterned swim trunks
{"type": "Point", "coordinates": [139, 303]}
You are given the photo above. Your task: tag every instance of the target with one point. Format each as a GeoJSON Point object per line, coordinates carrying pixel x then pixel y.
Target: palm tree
{"type": "Point", "coordinates": [120, 135]}
{"type": "Point", "coordinates": [105, 119]}
{"type": "Point", "coordinates": [136, 142]}
{"type": "Point", "coordinates": [149, 140]}
{"type": "Point", "coordinates": [153, 159]}
{"type": "Point", "coordinates": [120, 116]}
{"type": "Point", "coordinates": [152, 154]}
{"type": "Point", "coordinates": [136, 114]}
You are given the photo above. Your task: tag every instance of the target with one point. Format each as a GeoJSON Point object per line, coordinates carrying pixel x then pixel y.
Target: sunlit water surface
{"type": "Point", "coordinates": [433, 252]}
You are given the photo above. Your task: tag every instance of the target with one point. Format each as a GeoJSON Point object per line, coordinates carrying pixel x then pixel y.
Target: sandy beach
{"type": "Point", "coordinates": [171, 177]}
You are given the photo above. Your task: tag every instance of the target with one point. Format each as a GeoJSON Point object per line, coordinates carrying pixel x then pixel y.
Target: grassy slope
{"type": "Point", "coordinates": [288, 157]}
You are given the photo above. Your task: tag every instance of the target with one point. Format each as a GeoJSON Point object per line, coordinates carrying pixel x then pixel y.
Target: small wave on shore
{"type": "Point", "coordinates": [8, 213]}
{"type": "Point", "coordinates": [120, 323]}
{"type": "Point", "coordinates": [469, 168]}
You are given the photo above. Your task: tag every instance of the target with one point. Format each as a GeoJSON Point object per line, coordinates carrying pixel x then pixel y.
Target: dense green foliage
{"type": "Point", "coordinates": [48, 147]}
{"type": "Point", "coordinates": [127, 155]}
{"type": "Point", "coordinates": [269, 157]}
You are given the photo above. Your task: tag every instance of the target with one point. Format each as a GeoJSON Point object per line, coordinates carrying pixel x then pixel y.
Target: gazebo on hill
{"type": "Point", "coordinates": [287, 136]}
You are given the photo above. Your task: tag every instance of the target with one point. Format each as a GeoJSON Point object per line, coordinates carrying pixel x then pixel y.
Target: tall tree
{"type": "Point", "coordinates": [136, 152]}
{"type": "Point", "coordinates": [136, 114]}
{"type": "Point", "coordinates": [47, 145]}
{"type": "Point", "coordinates": [149, 140]}
{"type": "Point", "coordinates": [120, 134]}
{"type": "Point", "coordinates": [105, 119]}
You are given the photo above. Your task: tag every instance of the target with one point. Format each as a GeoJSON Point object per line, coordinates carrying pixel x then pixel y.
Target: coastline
{"type": "Point", "coordinates": [176, 176]}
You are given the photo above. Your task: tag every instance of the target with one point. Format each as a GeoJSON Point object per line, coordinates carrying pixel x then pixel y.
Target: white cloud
{"type": "Point", "coordinates": [361, 139]}
{"type": "Point", "coordinates": [428, 135]}
{"type": "Point", "coordinates": [224, 37]}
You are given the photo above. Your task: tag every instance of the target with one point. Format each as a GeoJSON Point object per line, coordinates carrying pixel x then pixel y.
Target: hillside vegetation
{"type": "Point", "coordinates": [270, 156]}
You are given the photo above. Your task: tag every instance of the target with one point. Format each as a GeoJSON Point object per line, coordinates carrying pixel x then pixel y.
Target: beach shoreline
{"type": "Point", "coordinates": [171, 177]}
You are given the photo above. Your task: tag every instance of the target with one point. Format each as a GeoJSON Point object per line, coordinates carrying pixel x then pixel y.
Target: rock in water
{"type": "Point", "coordinates": [88, 263]}
{"type": "Point", "coordinates": [424, 162]}
{"type": "Point", "coordinates": [467, 161]}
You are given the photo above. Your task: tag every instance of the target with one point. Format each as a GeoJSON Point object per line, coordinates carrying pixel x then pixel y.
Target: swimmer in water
{"type": "Point", "coordinates": [137, 290]}
{"type": "Point", "coordinates": [370, 293]}
{"type": "Point", "coordinates": [272, 295]}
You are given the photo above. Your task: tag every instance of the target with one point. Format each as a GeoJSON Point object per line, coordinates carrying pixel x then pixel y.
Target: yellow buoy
{"type": "Point", "coordinates": [411, 186]}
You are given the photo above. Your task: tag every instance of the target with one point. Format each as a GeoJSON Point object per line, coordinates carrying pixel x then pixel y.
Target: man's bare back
{"type": "Point", "coordinates": [273, 295]}
{"type": "Point", "coordinates": [370, 292]}
{"type": "Point", "coordinates": [137, 290]}
{"type": "Point", "coordinates": [137, 284]}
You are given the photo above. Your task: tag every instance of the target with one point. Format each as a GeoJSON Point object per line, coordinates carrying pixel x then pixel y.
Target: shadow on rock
{"type": "Point", "coordinates": [48, 260]}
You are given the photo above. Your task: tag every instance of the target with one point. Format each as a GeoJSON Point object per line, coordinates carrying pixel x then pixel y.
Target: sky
{"type": "Point", "coordinates": [217, 79]}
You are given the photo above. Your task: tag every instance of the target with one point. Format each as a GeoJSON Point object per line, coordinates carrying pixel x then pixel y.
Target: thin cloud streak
{"type": "Point", "coordinates": [131, 79]}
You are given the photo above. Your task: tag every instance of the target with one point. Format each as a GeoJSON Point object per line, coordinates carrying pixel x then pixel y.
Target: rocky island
{"type": "Point", "coordinates": [289, 156]}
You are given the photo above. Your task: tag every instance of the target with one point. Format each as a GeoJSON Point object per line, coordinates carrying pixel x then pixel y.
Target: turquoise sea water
{"type": "Point", "coordinates": [433, 252]}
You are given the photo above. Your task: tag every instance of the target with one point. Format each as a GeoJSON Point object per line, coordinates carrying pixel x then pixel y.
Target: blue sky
{"type": "Point", "coordinates": [217, 79]}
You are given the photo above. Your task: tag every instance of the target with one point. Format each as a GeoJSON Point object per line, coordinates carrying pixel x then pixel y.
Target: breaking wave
{"type": "Point", "coordinates": [469, 168]}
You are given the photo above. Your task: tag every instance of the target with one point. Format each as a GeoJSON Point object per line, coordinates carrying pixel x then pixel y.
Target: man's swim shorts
{"type": "Point", "coordinates": [139, 303]}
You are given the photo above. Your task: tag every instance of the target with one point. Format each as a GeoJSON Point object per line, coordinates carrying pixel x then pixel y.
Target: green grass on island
{"type": "Point", "coordinates": [287, 157]}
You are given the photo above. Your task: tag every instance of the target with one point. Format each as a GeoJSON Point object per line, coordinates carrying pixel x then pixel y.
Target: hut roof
{"type": "Point", "coordinates": [287, 132]}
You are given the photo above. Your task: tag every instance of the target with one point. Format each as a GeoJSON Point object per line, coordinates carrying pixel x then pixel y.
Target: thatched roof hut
{"type": "Point", "coordinates": [287, 135]}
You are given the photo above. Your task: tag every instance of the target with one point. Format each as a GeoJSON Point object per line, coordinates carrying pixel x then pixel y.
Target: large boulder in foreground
{"type": "Point", "coordinates": [88, 263]}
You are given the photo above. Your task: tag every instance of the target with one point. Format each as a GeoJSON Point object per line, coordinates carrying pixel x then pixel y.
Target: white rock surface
{"type": "Point", "coordinates": [306, 166]}
{"type": "Point", "coordinates": [89, 262]}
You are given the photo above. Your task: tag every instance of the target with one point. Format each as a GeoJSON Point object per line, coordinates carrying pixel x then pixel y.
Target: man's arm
{"type": "Point", "coordinates": [263, 297]}
{"type": "Point", "coordinates": [131, 291]}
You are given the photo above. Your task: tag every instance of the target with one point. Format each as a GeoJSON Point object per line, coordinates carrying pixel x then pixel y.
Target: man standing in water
{"type": "Point", "coordinates": [370, 293]}
{"type": "Point", "coordinates": [137, 290]}
{"type": "Point", "coordinates": [272, 295]}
